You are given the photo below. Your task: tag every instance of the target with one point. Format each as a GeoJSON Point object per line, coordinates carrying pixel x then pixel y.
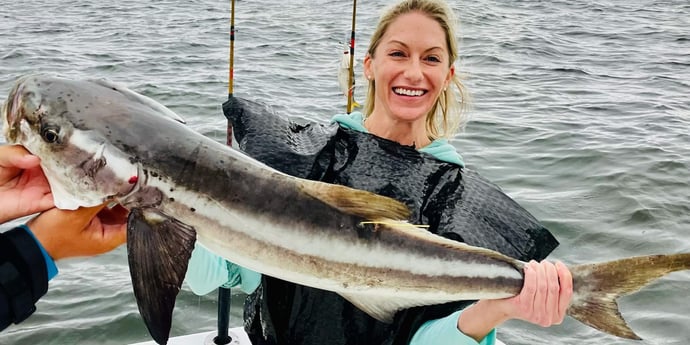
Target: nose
{"type": "Point", "coordinates": [413, 72]}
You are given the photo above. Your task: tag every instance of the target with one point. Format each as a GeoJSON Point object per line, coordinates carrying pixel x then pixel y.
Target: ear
{"type": "Point", "coordinates": [451, 73]}
{"type": "Point", "coordinates": [368, 70]}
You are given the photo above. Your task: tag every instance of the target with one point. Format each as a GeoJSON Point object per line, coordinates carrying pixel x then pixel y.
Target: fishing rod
{"type": "Point", "coordinates": [231, 69]}
{"type": "Point", "coordinates": [351, 73]}
{"type": "Point", "coordinates": [224, 294]}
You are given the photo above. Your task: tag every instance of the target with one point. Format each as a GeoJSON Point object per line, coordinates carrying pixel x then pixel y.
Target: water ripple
{"type": "Point", "coordinates": [580, 112]}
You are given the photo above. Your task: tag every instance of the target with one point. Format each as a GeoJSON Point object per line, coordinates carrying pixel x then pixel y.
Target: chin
{"type": "Point", "coordinates": [410, 113]}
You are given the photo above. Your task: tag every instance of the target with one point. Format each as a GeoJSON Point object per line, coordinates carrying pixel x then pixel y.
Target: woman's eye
{"type": "Point", "coordinates": [50, 134]}
{"type": "Point", "coordinates": [433, 59]}
{"type": "Point", "coordinates": [396, 54]}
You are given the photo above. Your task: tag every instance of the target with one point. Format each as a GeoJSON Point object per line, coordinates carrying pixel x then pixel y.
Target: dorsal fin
{"type": "Point", "coordinates": [361, 203]}
{"type": "Point", "coordinates": [125, 91]}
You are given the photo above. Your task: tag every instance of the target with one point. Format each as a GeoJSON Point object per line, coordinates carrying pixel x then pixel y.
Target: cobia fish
{"type": "Point", "coordinates": [100, 142]}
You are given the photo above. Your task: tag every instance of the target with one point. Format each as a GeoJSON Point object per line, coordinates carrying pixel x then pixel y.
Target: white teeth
{"type": "Point", "coordinates": [406, 92]}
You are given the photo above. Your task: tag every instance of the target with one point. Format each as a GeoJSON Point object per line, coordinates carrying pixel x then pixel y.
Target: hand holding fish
{"type": "Point", "coordinates": [543, 300]}
{"type": "Point", "coordinates": [86, 231]}
{"type": "Point", "coordinates": [24, 189]}
{"type": "Point", "coordinates": [545, 296]}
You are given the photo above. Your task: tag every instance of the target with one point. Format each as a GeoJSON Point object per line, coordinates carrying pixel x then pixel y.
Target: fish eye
{"type": "Point", "coordinates": [50, 134]}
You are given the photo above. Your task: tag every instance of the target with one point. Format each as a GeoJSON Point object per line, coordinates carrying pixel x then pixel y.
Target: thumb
{"type": "Point", "coordinates": [16, 156]}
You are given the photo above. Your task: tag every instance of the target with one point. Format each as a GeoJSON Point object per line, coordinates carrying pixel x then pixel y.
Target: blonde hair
{"type": "Point", "coordinates": [448, 113]}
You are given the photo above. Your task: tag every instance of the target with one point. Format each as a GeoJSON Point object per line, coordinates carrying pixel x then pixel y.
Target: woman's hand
{"type": "Point", "coordinates": [24, 189]}
{"type": "Point", "coordinates": [82, 232]}
{"type": "Point", "coordinates": [545, 295]}
{"type": "Point", "coordinates": [543, 300]}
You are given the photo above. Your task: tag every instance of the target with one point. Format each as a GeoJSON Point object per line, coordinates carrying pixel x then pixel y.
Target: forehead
{"type": "Point", "coordinates": [415, 29]}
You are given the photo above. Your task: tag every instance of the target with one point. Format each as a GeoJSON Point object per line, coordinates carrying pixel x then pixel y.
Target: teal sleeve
{"type": "Point", "coordinates": [445, 331]}
{"type": "Point", "coordinates": [208, 271]}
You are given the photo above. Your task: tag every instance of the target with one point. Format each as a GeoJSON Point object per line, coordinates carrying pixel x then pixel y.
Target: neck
{"type": "Point", "coordinates": [410, 133]}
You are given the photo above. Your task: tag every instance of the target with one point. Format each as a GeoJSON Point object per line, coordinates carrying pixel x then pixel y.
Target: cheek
{"type": "Point", "coordinates": [382, 68]}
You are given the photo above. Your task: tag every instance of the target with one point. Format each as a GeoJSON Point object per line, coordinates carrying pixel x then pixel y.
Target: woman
{"type": "Point", "coordinates": [410, 102]}
{"type": "Point", "coordinates": [28, 252]}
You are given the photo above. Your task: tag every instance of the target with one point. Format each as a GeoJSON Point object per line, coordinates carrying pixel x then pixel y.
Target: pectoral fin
{"type": "Point", "coordinates": [159, 248]}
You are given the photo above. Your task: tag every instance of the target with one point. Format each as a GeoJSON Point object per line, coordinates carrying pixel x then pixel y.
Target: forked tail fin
{"type": "Point", "coordinates": [597, 286]}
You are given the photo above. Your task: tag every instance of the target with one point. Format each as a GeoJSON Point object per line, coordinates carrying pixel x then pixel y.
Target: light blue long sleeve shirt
{"type": "Point", "coordinates": [208, 271]}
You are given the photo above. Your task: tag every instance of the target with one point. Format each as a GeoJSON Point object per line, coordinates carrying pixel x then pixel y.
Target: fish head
{"type": "Point", "coordinates": [66, 123]}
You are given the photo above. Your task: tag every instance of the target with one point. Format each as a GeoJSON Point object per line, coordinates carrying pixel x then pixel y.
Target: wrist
{"type": "Point", "coordinates": [51, 268]}
{"type": "Point", "coordinates": [481, 318]}
{"type": "Point", "coordinates": [45, 237]}
{"type": "Point", "coordinates": [498, 308]}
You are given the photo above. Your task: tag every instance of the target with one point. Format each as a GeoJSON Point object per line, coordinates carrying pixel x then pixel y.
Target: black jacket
{"type": "Point", "coordinates": [455, 202]}
{"type": "Point", "coordinates": [23, 276]}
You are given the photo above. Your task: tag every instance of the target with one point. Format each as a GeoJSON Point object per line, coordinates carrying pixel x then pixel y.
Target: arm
{"type": "Point", "coordinates": [23, 276]}
{"type": "Point", "coordinates": [544, 300]}
{"type": "Point", "coordinates": [444, 331]}
{"type": "Point", "coordinates": [83, 232]}
{"type": "Point", "coordinates": [27, 253]}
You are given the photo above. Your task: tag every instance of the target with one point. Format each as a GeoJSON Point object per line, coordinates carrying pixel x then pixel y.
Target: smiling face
{"type": "Point", "coordinates": [410, 68]}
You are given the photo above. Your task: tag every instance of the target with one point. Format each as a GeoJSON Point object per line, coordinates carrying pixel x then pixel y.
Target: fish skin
{"type": "Point", "coordinates": [253, 215]}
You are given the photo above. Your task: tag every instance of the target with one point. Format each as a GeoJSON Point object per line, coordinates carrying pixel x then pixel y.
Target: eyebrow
{"type": "Point", "coordinates": [406, 46]}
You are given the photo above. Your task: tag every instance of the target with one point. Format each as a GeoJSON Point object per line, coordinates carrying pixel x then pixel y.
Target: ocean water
{"type": "Point", "coordinates": [581, 112]}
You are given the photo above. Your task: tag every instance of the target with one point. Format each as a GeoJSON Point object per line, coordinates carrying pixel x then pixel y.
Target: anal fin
{"type": "Point", "coordinates": [159, 248]}
{"type": "Point", "coordinates": [381, 308]}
